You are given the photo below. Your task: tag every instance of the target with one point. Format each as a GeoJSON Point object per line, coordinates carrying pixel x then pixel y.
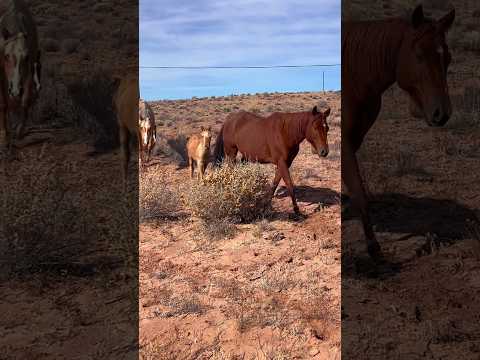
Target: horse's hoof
{"type": "Point", "coordinates": [297, 215]}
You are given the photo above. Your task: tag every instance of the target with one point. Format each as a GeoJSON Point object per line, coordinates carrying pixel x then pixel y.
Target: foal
{"type": "Point", "coordinates": [198, 148]}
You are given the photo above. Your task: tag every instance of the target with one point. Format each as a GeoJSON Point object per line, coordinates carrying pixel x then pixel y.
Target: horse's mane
{"type": "Point", "coordinates": [369, 46]}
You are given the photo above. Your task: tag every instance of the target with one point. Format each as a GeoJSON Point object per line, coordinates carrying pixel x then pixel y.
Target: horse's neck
{"type": "Point", "coordinates": [297, 124]}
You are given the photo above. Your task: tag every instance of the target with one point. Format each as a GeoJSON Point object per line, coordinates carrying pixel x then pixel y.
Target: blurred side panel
{"type": "Point", "coordinates": [68, 224]}
{"type": "Point", "coordinates": [410, 233]}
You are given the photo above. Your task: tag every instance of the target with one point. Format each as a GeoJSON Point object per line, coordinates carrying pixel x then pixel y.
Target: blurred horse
{"type": "Point", "coordinates": [375, 55]}
{"type": "Point", "coordinates": [148, 131]}
{"type": "Point", "coordinates": [20, 66]}
{"type": "Point", "coordinates": [125, 101]}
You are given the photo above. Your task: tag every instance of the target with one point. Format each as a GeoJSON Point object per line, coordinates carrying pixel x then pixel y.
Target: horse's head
{"type": "Point", "coordinates": [17, 62]}
{"type": "Point", "coordinates": [317, 131]}
{"type": "Point", "coordinates": [206, 134]}
{"type": "Point", "coordinates": [146, 123]}
{"type": "Point", "coordinates": [422, 67]}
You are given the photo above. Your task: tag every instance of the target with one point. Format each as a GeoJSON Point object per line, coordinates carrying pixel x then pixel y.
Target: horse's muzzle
{"type": "Point", "coordinates": [15, 94]}
{"type": "Point", "coordinates": [323, 152]}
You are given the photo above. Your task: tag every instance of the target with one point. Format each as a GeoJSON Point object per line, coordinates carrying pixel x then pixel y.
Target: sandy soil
{"type": "Point", "coordinates": [270, 292]}
{"type": "Point", "coordinates": [424, 188]}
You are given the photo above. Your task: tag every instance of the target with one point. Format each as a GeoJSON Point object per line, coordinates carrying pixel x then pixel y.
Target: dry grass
{"type": "Point", "coordinates": [156, 200]}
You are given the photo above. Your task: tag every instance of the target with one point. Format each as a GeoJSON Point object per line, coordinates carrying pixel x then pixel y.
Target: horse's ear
{"type": "Point", "coordinates": [326, 112]}
{"type": "Point", "coordinates": [315, 110]}
{"type": "Point", "coordinates": [446, 22]}
{"type": "Point", "coordinates": [417, 17]}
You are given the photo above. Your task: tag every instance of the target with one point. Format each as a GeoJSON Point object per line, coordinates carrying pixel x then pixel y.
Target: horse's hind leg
{"type": "Point", "coordinates": [231, 153]}
{"type": "Point", "coordinates": [353, 181]}
{"type": "Point", "coordinates": [276, 181]}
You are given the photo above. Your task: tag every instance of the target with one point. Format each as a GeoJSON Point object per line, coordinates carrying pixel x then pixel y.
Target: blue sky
{"type": "Point", "coordinates": [237, 33]}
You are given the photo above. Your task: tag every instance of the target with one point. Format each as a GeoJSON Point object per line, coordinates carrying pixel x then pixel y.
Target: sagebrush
{"type": "Point", "coordinates": [238, 193]}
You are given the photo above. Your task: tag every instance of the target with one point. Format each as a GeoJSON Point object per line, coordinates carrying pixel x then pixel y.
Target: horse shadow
{"type": "Point", "coordinates": [312, 195]}
{"type": "Point", "coordinates": [447, 220]}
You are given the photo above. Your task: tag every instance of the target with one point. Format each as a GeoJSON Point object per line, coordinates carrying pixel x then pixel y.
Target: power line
{"type": "Point", "coordinates": [238, 67]}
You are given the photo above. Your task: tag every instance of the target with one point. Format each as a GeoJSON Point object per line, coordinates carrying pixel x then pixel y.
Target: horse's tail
{"type": "Point", "coordinates": [219, 151]}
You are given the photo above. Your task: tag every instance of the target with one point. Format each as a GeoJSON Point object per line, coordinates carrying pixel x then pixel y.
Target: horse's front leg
{"type": "Point", "coordinates": [352, 179]}
{"type": "Point", "coordinates": [23, 115]}
{"type": "Point", "coordinates": [285, 174]}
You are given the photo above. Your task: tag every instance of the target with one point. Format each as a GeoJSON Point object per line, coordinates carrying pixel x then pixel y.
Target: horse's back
{"type": "Point", "coordinates": [251, 134]}
{"type": "Point", "coordinates": [245, 121]}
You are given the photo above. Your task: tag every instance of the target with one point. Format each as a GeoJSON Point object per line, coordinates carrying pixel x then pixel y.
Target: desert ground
{"type": "Point", "coordinates": [269, 291]}
{"type": "Point", "coordinates": [68, 253]}
{"type": "Point", "coordinates": [423, 184]}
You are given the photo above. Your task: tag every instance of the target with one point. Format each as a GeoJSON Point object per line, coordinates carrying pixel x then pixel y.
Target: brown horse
{"type": "Point", "coordinates": [375, 55]}
{"type": "Point", "coordinates": [20, 65]}
{"type": "Point", "coordinates": [275, 139]}
{"type": "Point", "coordinates": [125, 101]}
{"type": "Point", "coordinates": [198, 149]}
{"type": "Point", "coordinates": [147, 129]}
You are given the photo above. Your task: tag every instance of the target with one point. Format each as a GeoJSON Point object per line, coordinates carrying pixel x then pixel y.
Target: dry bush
{"type": "Point", "coordinates": [95, 95]}
{"type": "Point", "coordinates": [179, 144]}
{"type": "Point", "coordinates": [70, 46]}
{"type": "Point", "coordinates": [156, 200]}
{"type": "Point", "coordinates": [49, 226]}
{"type": "Point", "coordinates": [163, 146]}
{"type": "Point", "coordinates": [471, 41]}
{"type": "Point", "coordinates": [51, 45]}
{"type": "Point", "coordinates": [237, 193]}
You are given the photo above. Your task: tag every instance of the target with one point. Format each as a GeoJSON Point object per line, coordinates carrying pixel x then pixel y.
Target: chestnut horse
{"type": "Point", "coordinates": [274, 139]}
{"type": "Point", "coordinates": [20, 65]}
{"type": "Point", "coordinates": [375, 55]}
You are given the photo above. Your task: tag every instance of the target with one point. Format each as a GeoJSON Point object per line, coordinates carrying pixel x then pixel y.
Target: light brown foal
{"type": "Point", "coordinates": [198, 148]}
